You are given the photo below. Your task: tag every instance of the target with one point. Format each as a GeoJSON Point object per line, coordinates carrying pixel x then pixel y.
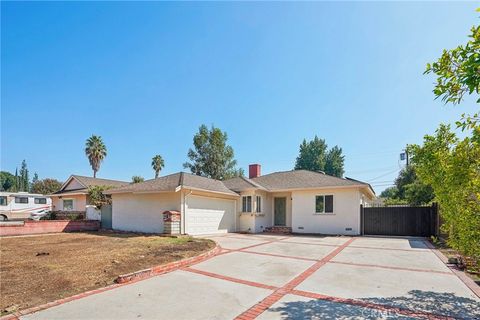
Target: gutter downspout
{"type": "Point", "coordinates": [185, 211]}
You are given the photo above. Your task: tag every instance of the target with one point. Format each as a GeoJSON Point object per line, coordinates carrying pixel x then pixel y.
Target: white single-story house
{"type": "Point", "coordinates": [300, 201]}
{"type": "Point", "coordinates": [73, 194]}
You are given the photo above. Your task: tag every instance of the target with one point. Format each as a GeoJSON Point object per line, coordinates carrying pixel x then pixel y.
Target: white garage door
{"type": "Point", "coordinates": [208, 215]}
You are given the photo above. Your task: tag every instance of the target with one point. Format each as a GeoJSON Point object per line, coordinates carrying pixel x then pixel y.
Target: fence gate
{"type": "Point", "coordinates": [106, 216]}
{"type": "Point", "coordinates": [400, 220]}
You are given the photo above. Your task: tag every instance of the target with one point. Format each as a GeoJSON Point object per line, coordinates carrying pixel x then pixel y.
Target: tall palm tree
{"type": "Point", "coordinates": [157, 164]}
{"type": "Point", "coordinates": [95, 151]}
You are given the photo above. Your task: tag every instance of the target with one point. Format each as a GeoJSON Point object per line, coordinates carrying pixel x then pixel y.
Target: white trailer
{"type": "Point", "coordinates": [23, 205]}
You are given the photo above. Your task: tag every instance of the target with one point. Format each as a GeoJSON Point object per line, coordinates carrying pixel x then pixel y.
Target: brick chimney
{"type": "Point", "coordinates": [254, 170]}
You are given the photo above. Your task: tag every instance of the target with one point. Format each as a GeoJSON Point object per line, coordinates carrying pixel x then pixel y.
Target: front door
{"type": "Point", "coordinates": [280, 211]}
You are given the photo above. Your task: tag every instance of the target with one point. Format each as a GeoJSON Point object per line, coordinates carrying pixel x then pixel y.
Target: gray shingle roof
{"type": "Point", "coordinates": [240, 184]}
{"type": "Point", "coordinates": [90, 182]}
{"type": "Point", "coordinates": [299, 179]}
{"type": "Point", "coordinates": [172, 182]}
{"type": "Point", "coordinates": [295, 179]}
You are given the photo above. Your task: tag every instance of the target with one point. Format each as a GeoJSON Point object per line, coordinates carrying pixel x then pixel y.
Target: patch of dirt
{"type": "Point", "coordinates": [40, 269]}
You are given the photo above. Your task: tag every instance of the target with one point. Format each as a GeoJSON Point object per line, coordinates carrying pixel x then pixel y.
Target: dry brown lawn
{"type": "Point", "coordinates": [38, 269]}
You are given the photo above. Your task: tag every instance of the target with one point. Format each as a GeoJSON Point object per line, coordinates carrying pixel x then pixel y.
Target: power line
{"type": "Point", "coordinates": [372, 170]}
{"type": "Point", "coordinates": [383, 175]}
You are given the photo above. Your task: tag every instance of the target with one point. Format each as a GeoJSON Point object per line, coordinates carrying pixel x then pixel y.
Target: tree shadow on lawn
{"type": "Point", "coordinates": [446, 304]}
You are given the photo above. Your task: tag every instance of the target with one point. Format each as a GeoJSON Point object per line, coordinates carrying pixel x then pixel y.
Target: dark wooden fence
{"type": "Point", "coordinates": [400, 220]}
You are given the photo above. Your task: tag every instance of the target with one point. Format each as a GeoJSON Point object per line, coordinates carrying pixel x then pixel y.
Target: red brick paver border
{"type": "Point", "coordinates": [460, 274]}
{"type": "Point", "coordinates": [165, 268]}
{"type": "Point", "coordinates": [231, 279]}
{"type": "Point", "coordinates": [448, 273]}
{"type": "Point", "coordinates": [266, 303]}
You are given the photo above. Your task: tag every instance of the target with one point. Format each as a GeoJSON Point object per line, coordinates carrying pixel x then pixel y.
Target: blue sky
{"type": "Point", "coordinates": [146, 75]}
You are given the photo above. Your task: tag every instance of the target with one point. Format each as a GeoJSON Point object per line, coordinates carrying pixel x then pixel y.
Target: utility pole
{"type": "Point", "coordinates": [406, 153]}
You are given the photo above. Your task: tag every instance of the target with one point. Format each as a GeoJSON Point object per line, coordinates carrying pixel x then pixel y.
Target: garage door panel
{"type": "Point", "coordinates": [209, 215]}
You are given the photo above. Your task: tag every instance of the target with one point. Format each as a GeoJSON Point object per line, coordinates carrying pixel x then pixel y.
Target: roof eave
{"type": "Point", "coordinates": [233, 194]}
{"type": "Point", "coordinates": [317, 188]}
{"type": "Point", "coordinates": [68, 194]}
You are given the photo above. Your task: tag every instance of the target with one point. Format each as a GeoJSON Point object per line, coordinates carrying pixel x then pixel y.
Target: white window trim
{"type": "Point", "coordinates": [324, 205]}
{"type": "Point", "coordinates": [73, 204]}
{"type": "Point", "coordinates": [35, 200]}
{"type": "Point", "coordinates": [256, 204]}
{"type": "Point", "coordinates": [246, 204]}
{"type": "Point", "coordinates": [21, 197]}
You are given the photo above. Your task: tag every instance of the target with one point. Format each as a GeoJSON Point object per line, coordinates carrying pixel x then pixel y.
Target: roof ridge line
{"type": "Point", "coordinates": [180, 179]}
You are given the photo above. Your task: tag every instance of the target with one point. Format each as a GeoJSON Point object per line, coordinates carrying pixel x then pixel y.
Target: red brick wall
{"type": "Point", "coordinates": [48, 226]}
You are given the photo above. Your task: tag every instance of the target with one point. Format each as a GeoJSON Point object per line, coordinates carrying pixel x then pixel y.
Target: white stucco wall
{"type": "Point", "coordinates": [264, 219]}
{"type": "Point", "coordinates": [142, 212]}
{"type": "Point", "coordinates": [79, 202]}
{"type": "Point", "coordinates": [255, 222]}
{"type": "Point", "coordinates": [346, 212]}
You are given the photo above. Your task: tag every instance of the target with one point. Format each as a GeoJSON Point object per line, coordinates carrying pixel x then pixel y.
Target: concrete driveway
{"type": "Point", "coordinates": [291, 277]}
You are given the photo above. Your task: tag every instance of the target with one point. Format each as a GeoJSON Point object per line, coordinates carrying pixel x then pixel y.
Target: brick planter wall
{"type": "Point", "coordinates": [48, 226]}
{"type": "Point", "coordinates": [70, 215]}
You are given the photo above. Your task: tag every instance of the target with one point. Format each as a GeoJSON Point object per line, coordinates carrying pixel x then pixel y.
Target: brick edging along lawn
{"type": "Point", "coordinates": [122, 280]}
{"type": "Point", "coordinates": [164, 268]}
{"type": "Point", "coordinates": [460, 274]}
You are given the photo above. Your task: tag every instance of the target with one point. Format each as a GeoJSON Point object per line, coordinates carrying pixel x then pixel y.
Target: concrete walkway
{"type": "Point", "coordinates": [291, 277]}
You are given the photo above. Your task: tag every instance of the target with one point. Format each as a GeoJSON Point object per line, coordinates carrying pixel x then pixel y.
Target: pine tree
{"type": "Point", "coordinates": [34, 180]}
{"type": "Point", "coordinates": [24, 180]}
{"type": "Point", "coordinates": [16, 185]}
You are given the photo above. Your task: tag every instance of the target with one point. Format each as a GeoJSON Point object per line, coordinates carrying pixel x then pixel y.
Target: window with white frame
{"type": "Point", "coordinates": [247, 204]}
{"type": "Point", "coordinates": [3, 201]}
{"type": "Point", "coordinates": [324, 204]}
{"type": "Point", "coordinates": [68, 204]}
{"type": "Point", "coordinates": [40, 200]}
{"type": "Point", "coordinates": [21, 199]}
{"type": "Point", "coordinates": [259, 204]}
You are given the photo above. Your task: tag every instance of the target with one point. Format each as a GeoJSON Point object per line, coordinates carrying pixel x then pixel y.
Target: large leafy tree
{"type": "Point", "coordinates": [211, 156]}
{"type": "Point", "coordinates": [45, 186]}
{"type": "Point", "coordinates": [137, 179]}
{"type": "Point", "coordinates": [157, 164]}
{"type": "Point", "coordinates": [458, 74]}
{"type": "Point", "coordinates": [408, 189]}
{"type": "Point", "coordinates": [335, 162]}
{"type": "Point", "coordinates": [96, 151]}
{"type": "Point", "coordinates": [315, 156]}
{"type": "Point", "coordinates": [96, 196]}
{"type": "Point", "coordinates": [312, 155]}
{"type": "Point", "coordinates": [7, 181]}
{"type": "Point", "coordinates": [451, 166]}
{"type": "Point", "coordinates": [389, 193]}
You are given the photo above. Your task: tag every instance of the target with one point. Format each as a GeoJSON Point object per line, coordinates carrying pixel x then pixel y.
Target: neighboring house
{"type": "Point", "coordinates": [73, 195]}
{"type": "Point", "coordinates": [300, 201]}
